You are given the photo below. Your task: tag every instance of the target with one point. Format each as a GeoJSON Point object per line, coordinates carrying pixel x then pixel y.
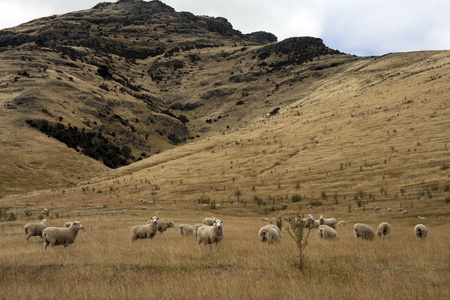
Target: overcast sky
{"type": "Point", "coordinates": [361, 27]}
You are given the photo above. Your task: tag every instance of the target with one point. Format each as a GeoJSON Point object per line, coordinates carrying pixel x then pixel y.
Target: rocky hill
{"type": "Point", "coordinates": [94, 90]}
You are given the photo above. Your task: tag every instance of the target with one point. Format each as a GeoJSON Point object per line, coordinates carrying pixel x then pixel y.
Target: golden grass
{"type": "Point", "coordinates": [103, 263]}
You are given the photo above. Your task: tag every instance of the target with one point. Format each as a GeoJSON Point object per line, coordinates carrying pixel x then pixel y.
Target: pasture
{"type": "Point", "coordinates": [104, 264]}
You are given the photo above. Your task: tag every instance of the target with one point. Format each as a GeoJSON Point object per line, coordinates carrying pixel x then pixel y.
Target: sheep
{"type": "Point", "coordinates": [399, 209]}
{"type": "Point", "coordinates": [164, 225]}
{"type": "Point", "coordinates": [378, 208]}
{"type": "Point", "coordinates": [389, 209]}
{"type": "Point", "coordinates": [265, 219]}
{"type": "Point", "coordinates": [421, 231]}
{"type": "Point", "coordinates": [383, 229]}
{"type": "Point", "coordinates": [404, 212]}
{"type": "Point", "coordinates": [210, 234]}
{"type": "Point", "coordinates": [341, 223]}
{"type": "Point", "coordinates": [327, 233]}
{"type": "Point", "coordinates": [196, 227]}
{"type": "Point", "coordinates": [310, 222]}
{"type": "Point", "coordinates": [209, 221]}
{"type": "Point", "coordinates": [422, 218]}
{"type": "Point", "coordinates": [269, 234]}
{"type": "Point", "coordinates": [330, 222]}
{"type": "Point", "coordinates": [33, 229]}
{"type": "Point", "coordinates": [186, 229]}
{"type": "Point", "coordinates": [54, 236]}
{"type": "Point", "coordinates": [363, 231]}
{"type": "Point", "coordinates": [147, 231]}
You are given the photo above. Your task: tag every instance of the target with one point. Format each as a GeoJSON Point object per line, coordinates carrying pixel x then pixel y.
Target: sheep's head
{"type": "Point", "coordinates": [321, 217]}
{"type": "Point", "coordinates": [76, 225]}
{"type": "Point", "coordinates": [218, 223]}
{"type": "Point", "coordinates": [171, 224]}
{"type": "Point", "coordinates": [45, 221]}
{"type": "Point", "coordinates": [154, 220]}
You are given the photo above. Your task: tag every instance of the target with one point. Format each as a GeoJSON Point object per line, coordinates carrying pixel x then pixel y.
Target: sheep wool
{"type": "Point", "coordinates": [164, 225]}
{"type": "Point", "coordinates": [327, 233]}
{"type": "Point", "coordinates": [269, 234]}
{"type": "Point", "coordinates": [363, 231]}
{"type": "Point", "coordinates": [330, 222]}
{"type": "Point", "coordinates": [54, 236]}
{"type": "Point", "coordinates": [310, 222]}
{"type": "Point", "coordinates": [421, 231]}
{"type": "Point", "coordinates": [35, 229]}
{"type": "Point", "coordinates": [341, 223]}
{"type": "Point", "coordinates": [147, 231]}
{"type": "Point", "coordinates": [186, 229]}
{"type": "Point", "coordinates": [383, 229]}
{"type": "Point", "coordinates": [210, 234]}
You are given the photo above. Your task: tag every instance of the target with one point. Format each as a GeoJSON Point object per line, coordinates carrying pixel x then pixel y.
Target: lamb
{"type": "Point", "coordinates": [35, 229]}
{"type": "Point", "coordinates": [341, 223]}
{"type": "Point", "coordinates": [164, 225]}
{"type": "Point", "coordinates": [327, 233]}
{"type": "Point", "coordinates": [269, 234]}
{"type": "Point", "coordinates": [186, 229]}
{"type": "Point", "coordinates": [209, 221]}
{"type": "Point", "coordinates": [330, 222]}
{"type": "Point", "coordinates": [147, 231]}
{"type": "Point", "coordinates": [421, 231]}
{"type": "Point", "coordinates": [61, 235]}
{"type": "Point", "coordinates": [383, 229]}
{"type": "Point", "coordinates": [210, 234]}
{"type": "Point", "coordinates": [363, 231]}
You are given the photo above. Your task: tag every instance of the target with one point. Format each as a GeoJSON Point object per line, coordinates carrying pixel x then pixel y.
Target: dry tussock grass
{"type": "Point", "coordinates": [103, 263]}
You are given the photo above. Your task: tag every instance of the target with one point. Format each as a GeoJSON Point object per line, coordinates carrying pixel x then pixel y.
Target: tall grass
{"type": "Point", "coordinates": [104, 264]}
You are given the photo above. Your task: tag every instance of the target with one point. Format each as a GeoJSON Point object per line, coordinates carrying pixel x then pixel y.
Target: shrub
{"type": "Point", "coordinates": [296, 198]}
{"type": "Point", "coordinates": [297, 231]}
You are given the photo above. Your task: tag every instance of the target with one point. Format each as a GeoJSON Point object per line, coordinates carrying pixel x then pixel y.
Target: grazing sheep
{"type": "Point", "coordinates": [209, 221]}
{"type": "Point", "coordinates": [389, 209]}
{"type": "Point", "coordinates": [422, 218]}
{"type": "Point", "coordinates": [311, 223]}
{"type": "Point", "coordinates": [210, 234]}
{"type": "Point", "coordinates": [421, 231]}
{"type": "Point", "coordinates": [404, 212]}
{"type": "Point", "coordinates": [54, 236]}
{"type": "Point", "coordinates": [363, 231]}
{"type": "Point", "coordinates": [383, 229]}
{"type": "Point", "coordinates": [327, 233]}
{"type": "Point", "coordinates": [186, 229]}
{"type": "Point", "coordinates": [265, 219]}
{"type": "Point", "coordinates": [330, 222]}
{"type": "Point", "coordinates": [269, 234]}
{"type": "Point", "coordinates": [378, 208]}
{"type": "Point", "coordinates": [399, 209]}
{"type": "Point", "coordinates": [341, 223]}
{"type": "Point", "coordinates": [147, 231]}
{"type": "Point", "coordinates": [33, 229]}
{"type": "Point", "coordinates": [164, 225]}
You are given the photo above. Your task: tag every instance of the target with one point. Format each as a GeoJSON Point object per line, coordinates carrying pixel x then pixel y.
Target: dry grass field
{"type": "Point", "coordinates": [104, 264]}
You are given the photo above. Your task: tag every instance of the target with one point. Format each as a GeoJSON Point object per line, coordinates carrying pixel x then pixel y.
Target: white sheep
{"type": "Point", "coordinates": [399, 209]}
{"type": "Point", "coordinates": [378, 208]}
{"type": "Point", "coordinates": [269, 234]}
{"type": "Point", "coordinates": [389, 209]}
{"type": "Point", "coordinates": [265, 219]}
{"type": "Point", "coordinates": [54, 236]}
{"type": "Point", "coordinates": [421, 231]}
{"type": "Point", "coordinates": [35, 229]}
{"type": "Point", "coordinates": [310, 222]}
{"type": "Point", "coordinates": [186, 229]}
{"type": "Point", "coordinates": [422, 218]}
{"type": "Point", "coordinates": [330, 222]}
{"type": "Point", "coordinates": [341, 223]}
{"type": "Point", "coordinates": [404, 212]}
{"type": "Point", "coordinates": [383, 229]}
{"type": "Point", "coordinates": [209, 221]}
{"type": "Point", "coordinates": [147, 231]}
{"type": "Point", "coordinates": [196, 227]}
{"type": "Point", "coordinates": [363, 231]}
{"type": "Point", "coordinates": [327, 233]}
{"type": "Point", "coordinates": [163, 225]}
{"type": "Point", "coordinates": [210, 234]}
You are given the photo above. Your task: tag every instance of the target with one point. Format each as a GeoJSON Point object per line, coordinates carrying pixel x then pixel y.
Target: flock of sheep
{"type": "Point", "coordinates": [210, 231]}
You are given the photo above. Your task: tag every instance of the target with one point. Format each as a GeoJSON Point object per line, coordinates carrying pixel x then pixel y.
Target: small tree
{"type": "Point", "coordinates": [297, 231]}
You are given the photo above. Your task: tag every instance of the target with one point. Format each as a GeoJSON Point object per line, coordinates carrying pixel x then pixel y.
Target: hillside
{"type": "Point", "coordinates": [203, 111]}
